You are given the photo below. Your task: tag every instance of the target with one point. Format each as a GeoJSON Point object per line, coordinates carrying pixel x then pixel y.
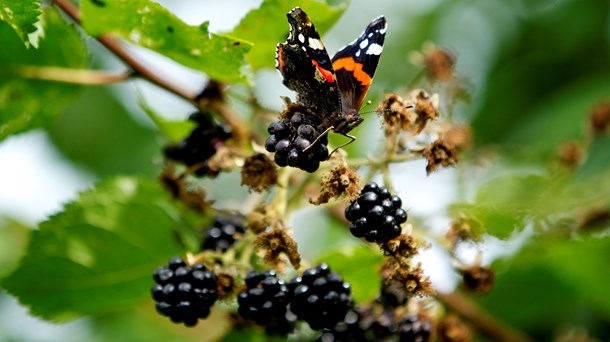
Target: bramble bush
{"type": "Point", "coordinates": [242, 222]}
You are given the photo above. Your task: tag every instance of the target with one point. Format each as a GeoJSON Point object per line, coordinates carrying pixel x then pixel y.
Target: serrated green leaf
{"type": "Point", "coordinates": [27, 103]}
{"type": "Point", "coordinates": [150, 25]}
{"type": "Point", "coordinates": [360, 267]}
{"type": "Point", "coordinates": [174, 131]}
{"type": "Point", "coordinates": [13, 239]}
{"type": "Point", "coordinates": [98, 255]}
{"type": "Point", "coordinates": [267, 25]}
{"type": "Point", "coordinates": [23, 16]}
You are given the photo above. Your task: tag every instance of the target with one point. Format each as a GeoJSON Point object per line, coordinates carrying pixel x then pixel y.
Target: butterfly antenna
{"type": "Point", "coordinates": [385, 110]}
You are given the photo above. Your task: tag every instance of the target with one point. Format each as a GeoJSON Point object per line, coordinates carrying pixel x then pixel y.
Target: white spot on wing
{"type": "Point", "coordinates": [364, 43]}
{"type": "Point", "coordinates": [370, 34]}
{"type": "Point", "coordinates": [301, 38]}
{"type": "Point", "coordinates": [358, 53]}
{"type": "Point", "coordinates": [383, 29]}
{"type": "Point", "coordinates": [374, 49]}
{"type": "Point", "coordinates": [315, 44]}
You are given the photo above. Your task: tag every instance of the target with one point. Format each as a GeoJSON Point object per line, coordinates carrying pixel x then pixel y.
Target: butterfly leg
{"type": "Point", "coordinates": [319, 137]}
{"type": "Point", "coordinates": [351, 140]}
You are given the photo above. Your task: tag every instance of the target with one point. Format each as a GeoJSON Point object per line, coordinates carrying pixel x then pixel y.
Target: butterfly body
{"type": "Point", "coordinates": [334, 88]}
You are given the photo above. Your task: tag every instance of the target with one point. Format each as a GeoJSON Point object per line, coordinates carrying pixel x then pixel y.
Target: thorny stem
{"type": "Point", "coordinates": [481, 319]}
{"type": "Point", "coordinates": [142, 70]}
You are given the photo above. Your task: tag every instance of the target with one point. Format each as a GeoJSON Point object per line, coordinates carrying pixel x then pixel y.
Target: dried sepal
{"type": "Point", "coordinates": [478, 279]}
{"type": "Point", "coordinates": [439, 153]}
{"type": "Point", "coordinates": [340, 181]}
{"type": "Point", "coordinates": [410, 279]}
{"type": "Point", "coordinates": [452, 329]}
{"type": "Point", "coordinates": [258, 173]}
{"type": "Point", "coordinates": [600, 118]}
{"type": "Point", "coordinates": [275, 242]}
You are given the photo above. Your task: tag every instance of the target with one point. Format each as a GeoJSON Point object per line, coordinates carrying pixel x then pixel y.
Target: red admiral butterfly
{"type": "Point", "coordinates": [333, 88]}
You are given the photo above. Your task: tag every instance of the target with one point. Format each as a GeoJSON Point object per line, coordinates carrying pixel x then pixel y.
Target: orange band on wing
{"type": "Point", "coordinates": [350, 65]}
{"type": "Point", "coordinates": [327, 74]}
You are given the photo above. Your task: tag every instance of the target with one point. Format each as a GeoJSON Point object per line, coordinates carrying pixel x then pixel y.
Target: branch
{"type": "Point", "coordinates": [481, 319]}
{"type": "Point", "coordinates": [119, 50]}
{"type": "Point", "coordinates": [66, 75]}
{"type": "Point", "coordinates": [116, 47]}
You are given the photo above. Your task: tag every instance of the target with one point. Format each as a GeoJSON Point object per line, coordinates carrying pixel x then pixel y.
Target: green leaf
{"type": "Point", "coordinates": [98, 255]}
{"type": "Point", "coordinates": [23, 16]}
{"type": "Point", "coordinates": [174, 131]}
{"type": "Point", "coordinates": [267, 25]}
{"type": "Point", "coordinates": [13, 239]}
{"type": "Point", "coordinates": [28, 103]}
{"type": "Point", "coordinates": [359, 266]}
{"type": "Point", "coordinates": [150, 25]}
{"type": "Point", "coordinates": [598, 159]}
{"type": "Point", "coordinates": [110, 140]}
{"type": "Point", "coordinates": [552, 282]}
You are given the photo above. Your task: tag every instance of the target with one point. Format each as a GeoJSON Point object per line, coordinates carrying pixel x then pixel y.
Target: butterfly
{"type": "Point", "coordinates": [333, 87]}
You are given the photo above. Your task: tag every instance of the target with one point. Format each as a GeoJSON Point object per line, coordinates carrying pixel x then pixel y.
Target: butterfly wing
{"type": "Point", "coordinates": [306, 66]}
{"type": "Point", "coordinates": [355, 65]}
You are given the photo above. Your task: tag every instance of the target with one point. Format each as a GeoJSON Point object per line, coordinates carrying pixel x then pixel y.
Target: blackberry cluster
{"type": "Point", "coordinates": [362, 324]}
{"type": "Point", "coordinates": [320, 297]}
{"type": "Point", "coordinates": [184, 293]}
{"type": "Point", "coordinates": [200, 145]}
{"type": "Point", "coordinates": [291, 138]}
{"type": "Point", "coordinates": [414, 329]}
{"type": "Point", "coordinates": [376, 215]}
{"type": "Point", "coordinates": [222, 234]}
{"type": "Point", "coordinates": [265, 302]}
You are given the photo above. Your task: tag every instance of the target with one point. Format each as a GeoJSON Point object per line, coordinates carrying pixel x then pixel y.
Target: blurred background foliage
{"type": "Point", "coordinates": [534, 71]}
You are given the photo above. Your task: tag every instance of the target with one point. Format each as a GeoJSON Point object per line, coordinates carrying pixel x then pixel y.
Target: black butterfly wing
{"type": "Point", "coordinates": [355, 65]}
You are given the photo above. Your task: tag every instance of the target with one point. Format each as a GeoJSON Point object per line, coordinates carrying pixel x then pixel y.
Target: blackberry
{"type": "Point", "coordinates": [265, 302]}
{"type": "Point", "coordinates": [184, 293]}
{"type": "Point", "coordinates": [376, 215]}
{"type": "Point", "coordinates": [291, 138]}
{"type": "Point", "coordinates": [320, 297]}
{"type": "Point", "coordinates": [200, 145]}
{"type": "Point", "coordinates": [414, 329]}
{"type": "Point", "coordinates": [222, 233]}
{"type": "Point", "coordinates": [348, 330]}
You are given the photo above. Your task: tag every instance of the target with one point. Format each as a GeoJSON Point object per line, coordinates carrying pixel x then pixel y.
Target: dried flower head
{"type": "Point", "coordinates": [404, 246]}
{"type": "Point", "coordinates": [257, 220]}
{"type": "Point", "coordinates": [464, 228]}
{"type": "Point", "coordinates": [274, 243]}
{"type": "Point", "coordinates": [570, 154]}
{"type": "Point", "coordinates": [439, 153]}
{"type": "Point", "coordinates": [397, 114]}
{"type": "Point", "coordinates": [459, 136]}
{"type": "Point", "coordinates": [600, 118]}
{"type": "Point", "coordinates": [478, 279]}
{"type": "Point", "coordinates": [340, 181]}
{"type": "Point", "coordinates": [426, 108]}
{"type": "Point", "coordinates": [410, 279]}
{"type": "Point", "coordinates": [439, 62]}
{"type": "Point", "coordinates": [258, 173]}
{"type": "Point", "coordinates": [225, 286]}
{"type": "Point", "coordinates": [193, 197]}
{"type": "Point", "coordinates": [452, 329]}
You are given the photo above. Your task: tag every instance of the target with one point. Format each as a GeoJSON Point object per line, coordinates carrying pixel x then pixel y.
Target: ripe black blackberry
{"type": "Point", "coordinates": [320, 297]}
{"type": "Point", "coordinates": [222, 233]}
{"type": "Point", "coordinates": [184, 293]}
{"type": "Point", "coordinates": [265, 302]}
{"type": "Point", "coordinates": [200, 145]}
{"type": "Point", "coordinates": [347, 330]}
{"type": "Point", "coordinates": [376, 215]}
{"type": "Point", "coordinates": [414, 329]}
{"type": "Point", "coordinates": [291, 137]}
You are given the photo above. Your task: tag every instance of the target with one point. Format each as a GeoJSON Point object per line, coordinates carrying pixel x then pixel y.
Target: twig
{"type": "Point", "coordinates": [119, 50]}
{"type": "Point", "coordinates": [66, 75]}
{"type": "Point", "coordinates": [481, 319]}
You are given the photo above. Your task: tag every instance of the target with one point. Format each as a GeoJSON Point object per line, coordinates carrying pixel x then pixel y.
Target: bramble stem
{"type": "Point", "coordinates": [66, 75]}
{"type": "Point", "coordinates": [481, 319]}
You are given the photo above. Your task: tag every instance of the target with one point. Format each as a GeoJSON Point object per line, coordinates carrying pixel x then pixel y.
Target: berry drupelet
{"type": "Point", "coordinates": [291, 139]}
{"type": "Point", "coordinates": [223, 233]}
{"type": "Point", "coordinates": [265, 302]}
{"type": "Point", "coordinates": [414, 329]}
{"type": "Point", "coordinates": [376, 215]}
{"type": "Point", "coordinates": [200, 145]}
{"type": "Point", "coordinates": [184, 293]}
{"type": "Point", "coordinates": [320, 297]}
